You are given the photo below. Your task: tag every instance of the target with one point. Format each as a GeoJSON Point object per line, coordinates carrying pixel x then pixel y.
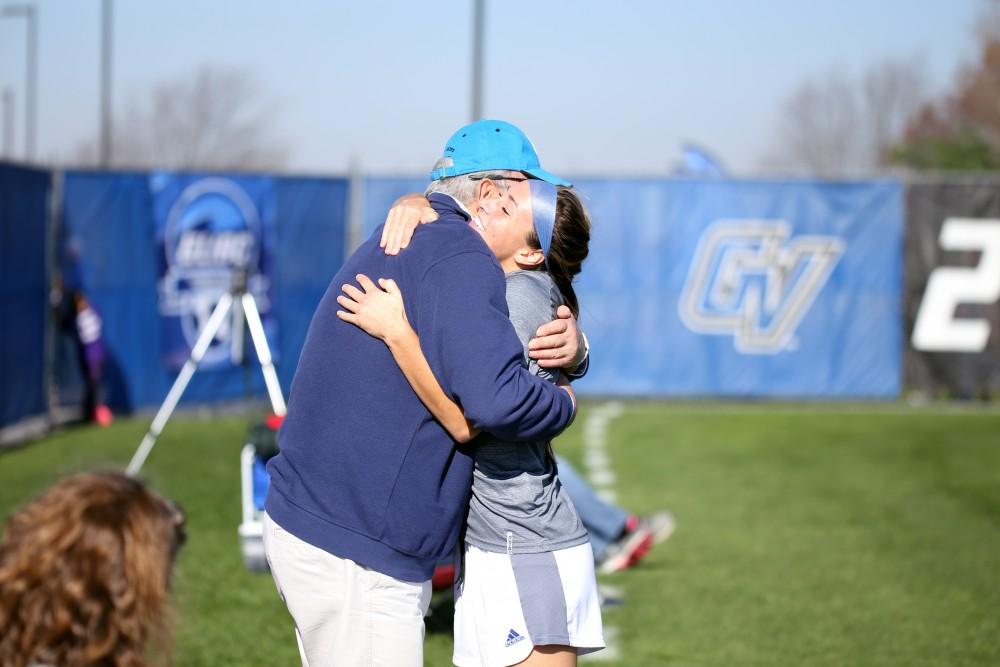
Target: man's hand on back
{"type": "Point", "coordinates": [559, 344]}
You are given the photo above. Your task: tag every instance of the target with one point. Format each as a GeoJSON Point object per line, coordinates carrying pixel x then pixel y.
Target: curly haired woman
{"type": "Point", "coordinates": [85, 572]}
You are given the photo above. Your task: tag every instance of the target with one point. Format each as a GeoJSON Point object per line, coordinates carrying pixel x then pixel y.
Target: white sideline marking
{"type": "Point", "coordinates": [597, 467]}
{"type": "Point", "coordinates": [596, 461]}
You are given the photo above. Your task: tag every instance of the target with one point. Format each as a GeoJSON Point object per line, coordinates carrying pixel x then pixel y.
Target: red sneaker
{"type": "Point", "coordinates": [660, 524]}
{"type": "Point", "coordinates": [627, 551]}
{"type": "Point", "coordinates": [102, 415]}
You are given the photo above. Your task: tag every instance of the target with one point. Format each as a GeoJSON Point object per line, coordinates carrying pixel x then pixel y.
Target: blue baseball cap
{"type": "Point", "coordinates": [492, 144]}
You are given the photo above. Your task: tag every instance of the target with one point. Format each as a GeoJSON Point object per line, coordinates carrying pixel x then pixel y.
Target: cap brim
{"type": "Point", "coordinates": [548, 177]}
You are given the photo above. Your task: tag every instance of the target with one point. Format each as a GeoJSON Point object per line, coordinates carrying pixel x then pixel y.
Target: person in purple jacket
{"type": "Point", "coordinates": [92, 354]}
{"type": "Point", "coordinates": [368, 491]}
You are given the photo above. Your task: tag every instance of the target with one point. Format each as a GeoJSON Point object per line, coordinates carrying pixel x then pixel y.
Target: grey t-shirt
{"type": "Point", "coordinates": [518, 504]}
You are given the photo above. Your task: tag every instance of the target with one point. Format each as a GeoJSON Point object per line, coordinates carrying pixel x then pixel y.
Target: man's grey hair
{"type": "Point", "coordinates": [463, 188]}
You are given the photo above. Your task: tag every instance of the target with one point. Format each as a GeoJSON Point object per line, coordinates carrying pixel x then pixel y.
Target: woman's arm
{"type": "Point", "coordinates": [406, 213]}
{"type": "Point", "coordinates": [380, 312]}
{"type": "Point", "coordinates": [405, 348]}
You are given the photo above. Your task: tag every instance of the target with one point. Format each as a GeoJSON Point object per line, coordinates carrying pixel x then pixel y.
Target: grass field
{"type": "Point", "coordinates": [817, 535]}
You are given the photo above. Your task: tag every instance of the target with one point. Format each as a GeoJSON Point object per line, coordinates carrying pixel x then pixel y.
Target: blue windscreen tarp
{"type": "Point", "coordinates": [24, 299]}
{"type": "Point", "coordinates": [379, 193]}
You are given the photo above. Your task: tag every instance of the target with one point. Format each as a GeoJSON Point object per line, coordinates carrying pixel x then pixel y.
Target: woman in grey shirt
{"type": "Point", "coordinates": [528, 591]}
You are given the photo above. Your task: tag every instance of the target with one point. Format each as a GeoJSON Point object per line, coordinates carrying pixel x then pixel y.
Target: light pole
{"type": "Point", "coordinates": [8, 123]}
{"type": "Point", "coordinates": [107, 20]}
{"type": "Point", "coordinates": [478, 30]}
{"type": "Point", "coordinates": [31, 75]}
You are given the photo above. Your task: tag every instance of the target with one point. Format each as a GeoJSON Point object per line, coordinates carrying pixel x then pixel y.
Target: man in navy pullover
{"type": "Point", "coordinates": [369, 491]}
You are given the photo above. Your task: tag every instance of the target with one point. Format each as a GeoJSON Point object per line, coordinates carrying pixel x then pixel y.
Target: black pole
{"type": "Point", "coordinates": [107, 21]}
{"type": "Point", "coordinates": [8, 123]}
{"type": "Point", "coordinates": [31, 72]}
{"type": "Point", "coordinates": [478, 38]}
{"type": "Point", "coordinates": [31, 103]}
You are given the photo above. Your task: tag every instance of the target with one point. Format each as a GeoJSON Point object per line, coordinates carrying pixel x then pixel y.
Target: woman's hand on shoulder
{"type": "Point", "coordinates": [406, 213]}
{"type": "Point", "coordinates": [378, 309]}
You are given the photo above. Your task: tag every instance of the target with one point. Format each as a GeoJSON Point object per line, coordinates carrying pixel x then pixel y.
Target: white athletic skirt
{"type": "Point", "coordinates": [507, 604]}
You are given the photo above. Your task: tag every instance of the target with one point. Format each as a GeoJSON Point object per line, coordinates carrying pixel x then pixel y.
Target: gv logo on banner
{"type": "Point", "coordinates": [752, 280]}
{"type": "Point", "coordinates": [211, 232]}
{"type": "Point", "coordinates": [936, 328]}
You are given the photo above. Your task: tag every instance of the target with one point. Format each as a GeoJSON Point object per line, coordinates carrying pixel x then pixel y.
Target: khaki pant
{"type": "Point", "coordinates": [346, 614]}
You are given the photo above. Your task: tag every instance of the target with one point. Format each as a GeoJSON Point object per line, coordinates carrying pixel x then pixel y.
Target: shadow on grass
{"type": "Point", "coordinates": [441, 617]}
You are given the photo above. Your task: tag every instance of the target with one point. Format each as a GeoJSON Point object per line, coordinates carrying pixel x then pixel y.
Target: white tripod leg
{"type": "Point", "coordinates": [252, 316]}
{"type": "Point", "coordinates": [180, 384]}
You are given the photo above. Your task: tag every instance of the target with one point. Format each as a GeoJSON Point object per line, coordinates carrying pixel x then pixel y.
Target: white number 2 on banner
{"type": "Point", "coordinates": [937, 329]}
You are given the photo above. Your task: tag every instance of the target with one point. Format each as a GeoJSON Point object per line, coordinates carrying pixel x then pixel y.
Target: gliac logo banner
{"type": "Point", "coordinates": [752, 280]}
{"type": "Point", "coordinates": [210, 231]}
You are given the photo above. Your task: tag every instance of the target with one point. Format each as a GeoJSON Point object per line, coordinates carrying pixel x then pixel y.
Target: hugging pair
{"type": "Point", "coordinates": [382, 465]}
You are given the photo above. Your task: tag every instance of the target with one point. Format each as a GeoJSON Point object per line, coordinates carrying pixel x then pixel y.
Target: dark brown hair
{"type": "Point", "coordinates": [85, 572]}
{"type": "Point", "coordinates": [570, 244]}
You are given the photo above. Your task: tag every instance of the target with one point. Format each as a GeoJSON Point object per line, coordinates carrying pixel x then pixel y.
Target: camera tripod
{"type": "Point", "coordinates": [239, 299]}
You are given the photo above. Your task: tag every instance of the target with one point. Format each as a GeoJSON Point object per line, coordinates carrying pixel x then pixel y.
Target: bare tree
{"type": "Point", "coordinates": [892, 92]}
{"type": "Point", "coordinates": [988, 25]}
{"type": "Point", "coordinates": [836, 125]}
{"type": "Point", "coordinates": [819, 123]}
{"type": "Point", "coordinates": [214, 119]}
{"type": "Point", "coordinates": [976, 101]}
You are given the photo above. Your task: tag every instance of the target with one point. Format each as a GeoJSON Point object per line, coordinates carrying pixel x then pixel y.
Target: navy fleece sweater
{"type": "Point", "coordinates": [365, 472]}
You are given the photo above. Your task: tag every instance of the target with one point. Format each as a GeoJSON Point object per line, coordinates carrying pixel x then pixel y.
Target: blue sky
{"type": "Point", "coordinates": [601, 87]}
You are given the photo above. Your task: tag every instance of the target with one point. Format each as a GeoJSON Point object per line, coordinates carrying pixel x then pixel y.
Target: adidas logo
{"type": "Point", "coordinates": [513, 638]}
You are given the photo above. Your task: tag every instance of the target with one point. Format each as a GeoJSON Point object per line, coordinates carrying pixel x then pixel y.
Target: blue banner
{"type": "Point", "coordinates": [734, 288]}
{"type": "Point", "coordinates": [737, 288]}
{"type": "Point", "coordinates": [211, 232]}
{"type": "Point", "coordinates": [117, 229]}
